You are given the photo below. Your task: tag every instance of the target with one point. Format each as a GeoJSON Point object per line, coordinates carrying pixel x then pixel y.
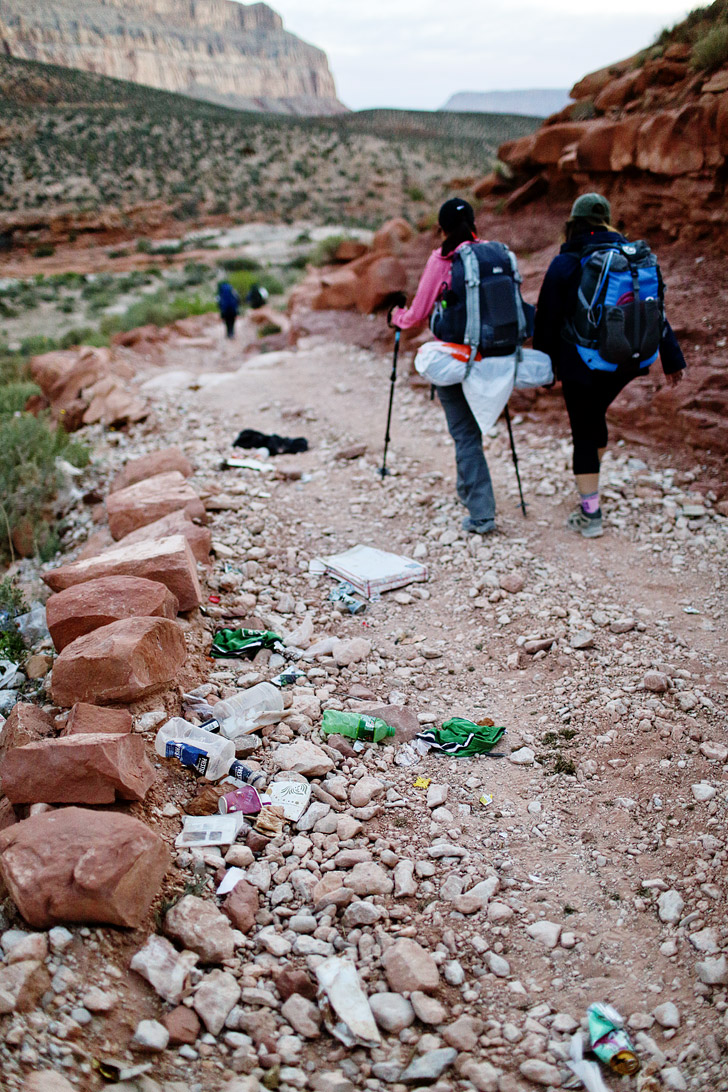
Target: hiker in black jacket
{"type": "Point", "coordinates": [587, 392]}
{"type": "Point", "coordinates": [228, 302]}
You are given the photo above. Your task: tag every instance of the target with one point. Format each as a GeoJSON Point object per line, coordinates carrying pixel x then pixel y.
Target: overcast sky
{"type": "Point", "coordinates": [416, 53]}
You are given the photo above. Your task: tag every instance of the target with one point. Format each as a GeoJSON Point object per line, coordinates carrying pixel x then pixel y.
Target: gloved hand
{"type": "Point", "coordinates": [398, 300]}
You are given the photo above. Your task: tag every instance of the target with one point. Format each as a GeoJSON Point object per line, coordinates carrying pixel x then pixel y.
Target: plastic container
{"type": "Point", "coordinates": [356, 726]}
{"type": "Point", "coordinates": [207, 754]}
{"type": "Point", "coordinates": [248, 710]}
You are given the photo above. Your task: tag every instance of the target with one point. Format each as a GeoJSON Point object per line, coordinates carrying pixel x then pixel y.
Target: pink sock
{"type": "Point", "coordinates": [589, 503]}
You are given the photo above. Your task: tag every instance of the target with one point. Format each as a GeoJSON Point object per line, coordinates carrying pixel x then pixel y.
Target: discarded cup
{"type": "Point", "coordinates": [245, 800]}
{"type": "Point", "coordinates": [610, 1041]}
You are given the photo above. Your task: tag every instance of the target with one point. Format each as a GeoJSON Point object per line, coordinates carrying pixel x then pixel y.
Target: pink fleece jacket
{"type": "Point", "coordinates": [436, 275]}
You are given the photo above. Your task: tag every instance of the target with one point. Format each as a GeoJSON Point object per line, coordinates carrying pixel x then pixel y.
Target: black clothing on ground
{"type": "Point", "coordinates": [277, 445]}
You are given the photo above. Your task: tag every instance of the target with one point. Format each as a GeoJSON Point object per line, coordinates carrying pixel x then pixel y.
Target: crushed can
{"type": "Point", "coordinates": [610, 1041]}
{"type": "Point", "coordinates": [244, 800]}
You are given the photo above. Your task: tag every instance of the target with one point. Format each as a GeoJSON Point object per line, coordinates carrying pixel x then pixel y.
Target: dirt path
{"type": "Point", "coordinates": [602, 819]}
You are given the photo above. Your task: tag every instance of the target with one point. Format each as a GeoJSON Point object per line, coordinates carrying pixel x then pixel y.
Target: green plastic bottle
{"type": "Point", "coordinates": [356, 726]}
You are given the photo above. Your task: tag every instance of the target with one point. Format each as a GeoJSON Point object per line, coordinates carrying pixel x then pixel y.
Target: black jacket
{"type": "Point", "coordinates": [557, 303]}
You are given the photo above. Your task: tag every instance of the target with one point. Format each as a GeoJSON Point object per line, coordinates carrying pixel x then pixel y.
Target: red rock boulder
{"type": "Point", "coordinates": [378, 282]}
{"type": "Point", "coordinates": [149, 500]}
{"type": "Point", "coordinates": [86, 607]}
{"type": "Point", "coordinates": [149, 466]}
{"type": "Point", "coordinates": [76, 865]}
{"type": "Point", "coordinates": [176, 523]}
{"type": "Point", "coordinates": [168, 560]}
{"type": "Point", "coordinates": [391, 235]}
{"type": "Point", "coordinates": [676, 142]}
{"type": "Point", "coordinates": [550, 141]}
{"type": "Point", "coordinates": [119, 662]}
{"type": "Point", "coordinates": [89, 768]}
{"type": "Point", "coordinates": [84, 719]}
{"type": "Point", "coordinates": [616, 93]}
{"type": "Point", "coordinates": [337, 291]}
{"type": "Point", "coordinates": [26, 723]}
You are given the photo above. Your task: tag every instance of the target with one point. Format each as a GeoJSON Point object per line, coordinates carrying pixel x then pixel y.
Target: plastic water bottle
{"type": "Point", "coordinates": [248, 710]}
{"type": "Point", "coordinates": [356, 726]}
{"type": "Point", "coordinates": [202, 751]}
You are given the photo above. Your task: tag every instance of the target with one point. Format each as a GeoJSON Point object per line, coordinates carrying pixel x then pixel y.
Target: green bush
{"type": "Point", "coordinates": [13, 397]}
{"type": "Point", "coordinates": [158, 309]}
{"type": "Point", "coordinates": [83, 335]}
{"type": "Point", "coordinates": [711, 51]}
{"type": "Point", "coordinates": [44, 250]}
{"type": "Point", "coordinates": [144, 246]}
{"type": "Point", "coordinates": [36, 344]}
{"type": "Point", "coordinates": [29, 480]}
{"type": "Point", "coordinates": [243, 281]}
{"type": "Point", "coordinates": [323, 253]}
{"type": "Point", "coordinates": [237, 265]}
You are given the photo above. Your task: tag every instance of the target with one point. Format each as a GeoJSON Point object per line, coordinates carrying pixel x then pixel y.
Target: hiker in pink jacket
{"type": "Point", "coordinates": [474, 487]}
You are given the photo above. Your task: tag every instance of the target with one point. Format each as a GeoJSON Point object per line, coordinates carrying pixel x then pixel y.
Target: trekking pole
{"type": "Point", "coordinates": [515, 459]}
{"type": "Point", "coordinates": [392, 380]}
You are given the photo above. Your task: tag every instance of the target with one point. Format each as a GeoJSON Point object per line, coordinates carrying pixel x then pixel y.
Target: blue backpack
{"type": "Point", "coordinates": [483, 307]}
{"type": "Point", "coordinates": [620, 311]}
{"type": "Point", "coordinates": [227, 298]}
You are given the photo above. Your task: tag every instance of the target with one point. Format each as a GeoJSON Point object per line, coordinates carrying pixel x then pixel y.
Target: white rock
{"type": "Point", "coordinates": [670, 906]}
{"type": "Point", "coordinates": [313, 815]}
{"type": "Point", "coordinates": [703, 791]}
{"type": "Point", "coordinates": [524, 756]}
{"type": "Point", "coordinates": [673, 1080]}
{"type": "Point", "coordinates": [436, 796]}
{"type": "Point", "coordinates": [545, 932]}
{"type": "Point", "coordinates": [392, 1012]}
{"type": "Point", "coordinates": [540, 1072]}
{"type": "Point", "coordinates": [499, 911]}
{"type": "Point", "coordinates": [497, 965]}
{"type": "Point", "coordinates": [705, 941]}
{"type": "Point", "coordinates": [716, 752]}
{"type": "Point", "coordinates": [365, 790]}
{"type": "Point", "coordinates": [59, 938]}
{"type": "Point", "coordinates": [667, 1015]}
{"type": "Point", "coordinates": [214, 998]}
{"type": "Point", "coordinates": [166, 969]}
{"type": "Point", "coordinates": [405, 885]}
{"type": "Point", "coordinates": [259, 874]}
{"type": "Point", "coordinates": [304, 758]}
{"type": "Point", "coordinates": [369, 878]}
{"type": "Point", "coordinates": [713, 972]}
{"type": "Point", "coordinates": [150, 1035]}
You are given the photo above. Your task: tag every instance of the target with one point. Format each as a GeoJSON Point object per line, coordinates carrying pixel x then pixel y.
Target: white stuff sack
{"type": "Point", "coordinates": [435, 361]}
{"type": "Point", "coordinates": [488, 388]}
{"type": "Point", "coordinates": [534, 370]}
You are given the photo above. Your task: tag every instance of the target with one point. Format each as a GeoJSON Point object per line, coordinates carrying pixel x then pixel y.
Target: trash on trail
{"type": "Point", "coordinates": [246, 464]}
{"type": "Point", "coordinates": [229, 880]}
{"type": "Point", "coordinates": [588, 1073]}
{"type": "Point", "coordinates": [460, 738]}
{"type": "Point", "coordinates": [209, 830]}
{"type": "Point", "coordinates": [343, 593]}
{"type": "Point", "coordinates": [690, 610]}
{"type": "Point", "coordinates": [116, 1069]}
{"type": "Point", "coordinates": [241, 773]}
{"type": "Point", "coordinates": [371, 571]}
{"type": "Point", "coordinates": [276, 445]}
{"type": "Point", "coordinates": [412, 752]}
{"type": "Point", "coordinates": [194, 703]}
{"type": "Point", "coordinates": [245, 800]}
{"type": "Point", "coordinates": [288, 677]}
{"type": "Point", "coordinates": [292, 796]}
{"type": "Point", "coordinates": [207, 754]}
{"type": "Point", "coordinates": [358, 726]}
{"type": "Point", "coordinates": [242, 644]}
{"type": "Point", "coordinates": [485, 800]}
{"type": "Point", "coordinates": [422, 782]}
{"type": "Point", "coordinates": [270, 821]}
{"type": "Point", "coordinates": [610, 1041]}
{"type": "Point", "coordinates": [8, 671]}
{"type": "Point", "coordinates": [249, 710]}
{"type": "Point", "coordinates": [344, 1005]}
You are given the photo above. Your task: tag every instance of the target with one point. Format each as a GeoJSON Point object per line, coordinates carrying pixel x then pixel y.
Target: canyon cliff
{"type": "Point", "coordinates": [218, 50]}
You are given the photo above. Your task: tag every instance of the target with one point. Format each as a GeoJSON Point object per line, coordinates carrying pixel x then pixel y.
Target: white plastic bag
{"type": "Point", "coordinates": [436, 362]}
{"type": "Point", "coordinates": [488, 388]}
{"type": "Point", "coordinates": [534, 370]}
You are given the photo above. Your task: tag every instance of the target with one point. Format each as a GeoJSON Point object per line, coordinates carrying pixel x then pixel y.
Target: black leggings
{"type": "Point", "coordinates": [587, 404]}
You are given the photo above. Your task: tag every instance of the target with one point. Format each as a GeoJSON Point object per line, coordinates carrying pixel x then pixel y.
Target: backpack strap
{"type": "Point", "coordinates": [471, 269]}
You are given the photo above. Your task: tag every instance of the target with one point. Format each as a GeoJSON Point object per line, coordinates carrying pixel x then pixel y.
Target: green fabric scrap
{"type": "Point", "coordinates": [242, 643]}
{"type": "Point", "coordinates": [460, 738]}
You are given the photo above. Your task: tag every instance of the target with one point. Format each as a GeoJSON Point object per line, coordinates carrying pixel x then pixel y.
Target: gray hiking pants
{"type": "Point", "coordinates": [474, 486]}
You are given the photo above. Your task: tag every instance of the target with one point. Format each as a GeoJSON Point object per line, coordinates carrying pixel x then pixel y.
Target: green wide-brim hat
{"type": "Point", "coordinates": [591, 206]}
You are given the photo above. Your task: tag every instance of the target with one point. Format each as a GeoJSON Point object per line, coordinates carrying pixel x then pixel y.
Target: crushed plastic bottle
{"type": "Point", "coordinates": [248, 710]}
{"type": "Point", "coordinates": [207, 754]}
{"type": "Point", "coordinates": [356, 726]}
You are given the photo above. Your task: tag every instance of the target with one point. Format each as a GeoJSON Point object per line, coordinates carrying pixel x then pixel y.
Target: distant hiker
{"type": "Point", "coordinates": [229, 303]}
{"type": "Point", "coordinates": [471, 287]}
{"type": "Point", "coordinates": [257, 296]}
{"type": "Point", "coordinates": [601, 319]}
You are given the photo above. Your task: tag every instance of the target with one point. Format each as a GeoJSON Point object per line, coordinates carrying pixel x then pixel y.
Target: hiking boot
{"type": "Point", "coordinates": [589, 526]}
{"type": "Point", "coordinates": [478, 526]}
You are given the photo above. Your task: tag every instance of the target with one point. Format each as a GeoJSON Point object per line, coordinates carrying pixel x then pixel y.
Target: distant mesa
{"type": "Point", "coordinates": [536, 103]}
{"type": "Point", "coordinates": [233, 54]}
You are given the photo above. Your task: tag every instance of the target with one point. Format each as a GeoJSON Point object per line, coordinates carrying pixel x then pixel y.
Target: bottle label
{"type": "Point", "coordinates": [239, 771]}
{"type": "Point", "coordinates": [210, 725]}
{"type": "Point", "coordinates": [367, 726]}
{"type": "Point", "coordinates": [188, 755]}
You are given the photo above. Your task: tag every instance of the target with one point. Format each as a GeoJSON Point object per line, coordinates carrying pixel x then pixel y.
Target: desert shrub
{"type": "Point", "coordinates": [37, 343]}
{"type": "Point", "coordinates": [29, 480]}
{"type": "Point", "coordinates": [711, 51]}
{"type": "Point", "coordinates": [158, 309]}
{"type": "Point", "coordinates": [415, 193]}
{"type": "Point", "coordinates": [144, 246]}
{"type": "Point", "coordinates": [44, 250]}
{"type": "Point", "coordinates": [324, 252]}
{"type": "Point", "coordinates": [241, 264]}
{"type": "Point", "coordinates": [13, 397]}
{"type": "Point", "coordinates": [269, 328]}
{"type": "Point", "coordinates": [82, 335]}
{"type": "Point", "coordinates": [583, 110]}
